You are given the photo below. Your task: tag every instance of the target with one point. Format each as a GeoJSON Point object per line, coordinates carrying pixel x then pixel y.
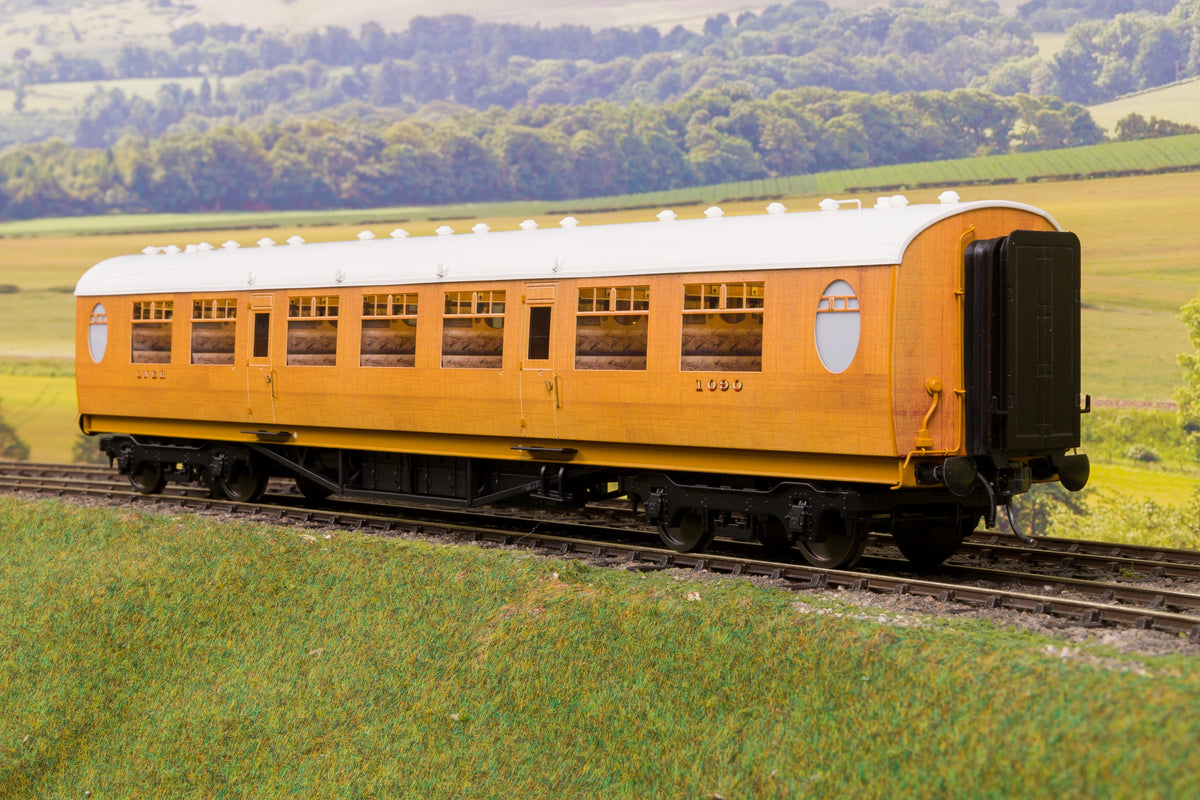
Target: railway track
{"type": "Point", "coordinates": [1074, 583]}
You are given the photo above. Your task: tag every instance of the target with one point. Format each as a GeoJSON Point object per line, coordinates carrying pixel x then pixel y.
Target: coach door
{"type": "Point", "coordinates": [540, 384]}
{"type": "Point", "coordinates": [262, 388]}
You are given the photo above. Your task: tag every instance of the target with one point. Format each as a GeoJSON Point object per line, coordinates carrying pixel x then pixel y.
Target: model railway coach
{"type": "Point", "coordinates": [797, 379]}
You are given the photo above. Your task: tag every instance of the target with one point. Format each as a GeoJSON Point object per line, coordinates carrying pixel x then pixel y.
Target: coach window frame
{"type": "Point", "coordinates": [626, 308]}
{"type": "Point", "coordinates": [219, 316]}
{"type": "Point", "coordinates": [312, 313]}
{"type": "Point", "coordinates": [709, 302]}
{"type": "Point", "coordinates": [147, 317]}
{"type": "Point", "coordinates": [475, 310]}
{"type": "Point", "coordinates": [398, 308]}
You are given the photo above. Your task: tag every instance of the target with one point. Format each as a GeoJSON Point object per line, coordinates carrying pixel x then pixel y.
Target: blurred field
{"type": "Point", "coordinates": [42, 411]}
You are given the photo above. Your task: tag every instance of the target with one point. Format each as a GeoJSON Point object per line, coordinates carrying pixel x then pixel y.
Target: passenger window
{"type": "Point", "coordinates": [151, 334]}
{"type": "Point", "coordinates": [610, 328]}
{"type": "Point", "coordinates": [312, 331]}
{"type": "Point", "coordinates": [722, 327]}
{"type": "Point", "coordinates": [473, 330]}
{"type": "Point", "coordinates": [389, 331]}
{"type": "Point", "coordinates": [213, 330]}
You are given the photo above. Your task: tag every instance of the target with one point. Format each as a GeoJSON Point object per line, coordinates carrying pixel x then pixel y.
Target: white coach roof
{"type": "Point", "coordinates": [832, 237]}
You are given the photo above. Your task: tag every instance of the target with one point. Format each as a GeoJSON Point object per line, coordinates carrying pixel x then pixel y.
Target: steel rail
{"type": "Point", "coordinates": [1086, 612]}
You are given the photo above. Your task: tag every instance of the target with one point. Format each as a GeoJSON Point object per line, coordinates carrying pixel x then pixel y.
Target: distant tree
{"type": "Point", "coordinates": [1188, 394]}
{"type": "Point", "coordinates": [86, 451]}
{"type": "Point", "coordinates": [715, 26]}
{"type": "Point", "coordinates": [1161, 57]}
{"type": "Point", "coordinates": [537, 162]}
{"type": "Point", "coordinates": [11, 445]}
{"type": "Point", "coordinates": [195, 32]}
{"type": "Point", "coordinates": [1135, 126]}
{"type": "Point", "coordinates": [135, 61]}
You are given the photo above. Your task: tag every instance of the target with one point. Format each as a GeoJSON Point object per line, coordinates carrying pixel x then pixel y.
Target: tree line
{"type": "Point", "coordinates": [547, 152]}
{"type": "Point", "coordinates": [454, 58]}
{"type": "Point", "coordinates": [1102, 59]}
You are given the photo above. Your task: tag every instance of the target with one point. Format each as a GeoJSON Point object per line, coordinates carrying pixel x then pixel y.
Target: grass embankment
{"type": "Point", "coordinates": [148, 656]}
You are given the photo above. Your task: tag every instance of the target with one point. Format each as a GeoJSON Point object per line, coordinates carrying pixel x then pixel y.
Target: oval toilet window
{"type": "Point", "coordinates": [838, 326]}
{"type": "Point", "coordinates": [98, 333]}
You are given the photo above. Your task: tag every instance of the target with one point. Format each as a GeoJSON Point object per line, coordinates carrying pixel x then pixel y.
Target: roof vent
{"type": "Point", "coordinates": [714, 212]}
{"type": "Point", "coordinates": [528, 225]}
{"type": "Point", "coordinates": [776, 208]}
{"type": "Point", "coordinates": [366, 236]}
{"type": "Point", "coordinates": [569, 222]}
{"type": "Point", "coordinates": [666, 215]}
{"type": "Point", "coordinates": [230, 245]}
{"type": "Point", "coordinates": [266, 242]}
{"type": "Point", "coordinates": [445, 230]}
{"type": "Point", "coordinates": [296, 241]}
{"type": "Point", "coordinates": [948, 197]}
{"type": "Point", "coordinates": [829, 204]}
{"type": "Point", "coordinates": [399, 233]}
{"type": "Point", "coordinates": [481, 228]}
{"type": "Point", "coordinates": [895, 201]}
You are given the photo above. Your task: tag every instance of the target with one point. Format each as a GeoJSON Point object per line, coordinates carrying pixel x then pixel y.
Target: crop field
{"type": "Point", "coordinates": [67, 96]}
{"type": "Point", "coordinates": [1179, 102]}
{"type": "Point", "coordinates": [152, 656]}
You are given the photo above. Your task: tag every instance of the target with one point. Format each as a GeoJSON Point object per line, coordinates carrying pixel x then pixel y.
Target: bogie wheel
{"type": "Point", "coordinates": [312, 491]}
{"type": "Point", "coordinates": [690, 533]}
{"type": "Point", "coordinates": [927, 544]}
{"type": "Point", "coordinates": [246, 483]}
{"type": "Point", "coordinates": [147, 477]}
{"type": "Point", "coordinates": [841, 541]}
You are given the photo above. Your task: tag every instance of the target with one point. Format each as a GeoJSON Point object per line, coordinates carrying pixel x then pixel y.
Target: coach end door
{"type": "Point", "coordinates": [540, 384]}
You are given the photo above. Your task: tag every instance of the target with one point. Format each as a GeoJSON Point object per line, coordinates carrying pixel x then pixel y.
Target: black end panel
{"type": "Point", "coordinates": [1042, 380]}
{"type": "Point", "coordinates": [1022, 349]}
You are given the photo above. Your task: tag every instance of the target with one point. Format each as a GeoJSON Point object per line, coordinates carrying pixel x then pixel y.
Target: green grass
{"type": "Point", "coordinates": [149, 656]}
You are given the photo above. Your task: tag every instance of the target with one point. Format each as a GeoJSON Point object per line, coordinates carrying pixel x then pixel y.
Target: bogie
{"type": "Point", "coordinates": [837, 540]}
{"type": "Point", "coordinates": [928, 542]}
{"type": "Point", "coordinates": [147, 477]}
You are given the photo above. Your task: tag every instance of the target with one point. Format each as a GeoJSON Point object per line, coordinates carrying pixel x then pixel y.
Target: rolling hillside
{"type": "Point", "coordinates": [1179, 102]}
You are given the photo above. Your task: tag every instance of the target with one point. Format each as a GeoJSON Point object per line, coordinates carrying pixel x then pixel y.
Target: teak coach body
{"type": "Point", "coordinates": [792, 378]}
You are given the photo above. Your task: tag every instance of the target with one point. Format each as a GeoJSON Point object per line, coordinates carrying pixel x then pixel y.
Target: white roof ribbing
{"type": "Point", "coordinates": [849, 237]}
